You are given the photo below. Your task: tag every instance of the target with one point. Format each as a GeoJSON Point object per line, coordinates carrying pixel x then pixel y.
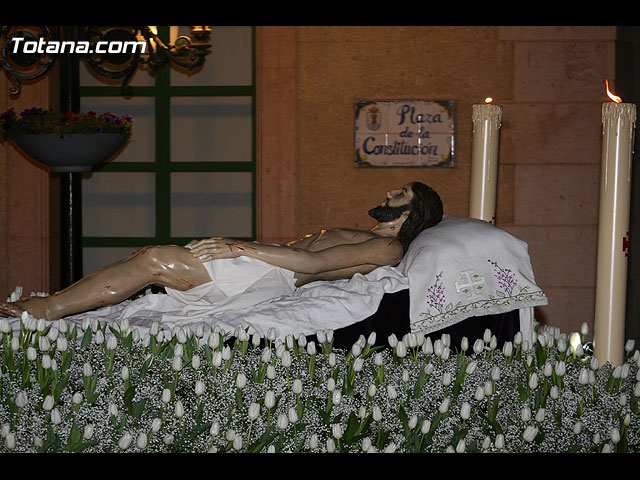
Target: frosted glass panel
{"type": "Point", "coordinates": [227, 63]}
{"type": "Point", "coordinates": [116, 204]}
{"type": "Point", "coordinates": [214, 129]}
{"type": "Point", "coordinates": [207, 204]}
{"type": "Point", "coordinates": [95, 258]}
{"type": "Point", "coordinates": [141, 146]}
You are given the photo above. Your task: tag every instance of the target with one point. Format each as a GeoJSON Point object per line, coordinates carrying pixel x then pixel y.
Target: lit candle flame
{"type": "Point", "coordinates": [613, 97]}
{"type": "Point", "coordinates": [488, 100]}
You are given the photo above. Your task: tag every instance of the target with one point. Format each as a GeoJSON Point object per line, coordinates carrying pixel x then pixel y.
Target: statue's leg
{"type": "Point", "coordinates": [166, 265]}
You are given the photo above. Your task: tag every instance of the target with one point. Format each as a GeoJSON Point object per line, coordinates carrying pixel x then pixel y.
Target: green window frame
{"type": "Point", "coordinates": [162, 166]}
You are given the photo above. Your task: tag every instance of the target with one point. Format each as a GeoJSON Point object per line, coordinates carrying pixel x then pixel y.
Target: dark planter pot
{"type": "Point", "coordinates": [71, 152]}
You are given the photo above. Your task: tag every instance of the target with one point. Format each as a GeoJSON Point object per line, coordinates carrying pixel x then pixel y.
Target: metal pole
{"type": "Point", "coordinates": [71, 186]}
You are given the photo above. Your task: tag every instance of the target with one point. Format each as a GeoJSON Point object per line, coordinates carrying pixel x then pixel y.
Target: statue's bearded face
{"type": "Point", "coordinates": [385, 213]}
{"type": "Point", "coordinates": [397, 202]}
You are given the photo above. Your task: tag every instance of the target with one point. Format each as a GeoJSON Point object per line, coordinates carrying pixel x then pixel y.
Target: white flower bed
{"type": "Point", "coordinates": [104, 389]}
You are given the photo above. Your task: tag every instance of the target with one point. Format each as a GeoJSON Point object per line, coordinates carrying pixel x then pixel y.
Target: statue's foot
{"type": "Point", "coordinates": [10, 310]}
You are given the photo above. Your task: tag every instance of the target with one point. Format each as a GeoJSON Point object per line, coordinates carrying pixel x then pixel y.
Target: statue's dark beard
{"type": "Point", "coordinates": [387, 214]}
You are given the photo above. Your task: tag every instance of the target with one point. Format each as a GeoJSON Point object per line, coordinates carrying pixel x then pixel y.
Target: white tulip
{"type": "Point", "coordinates": [629, 345]}
{"type": "Point", "coordinates": [378, 360]}
{"type": "Point", "coordinates": [168, 439]}
{"type": "Point", "coordinates": [444, 406]}
{"type": "Point", "coordinates": [336, 431]}
{"type": "Point", "coordinates": [464, 344]}
{"type": "Point", "coordinates": [331, 384]}
{"type": "Point", "coordinates": [471, 367]}
{"type": "Point", "coordinates": [56, 418]}
{"type": "Point", "coordinates": [507, 349]}
{"type": "Point", "coordinates": [87, 432]}
{"type": "Point", "coordinates": [254, 411]}
{"type": "Point", "coordinates": [125, 441]}
{"type": "Point", "coordinates": [112, 342]}
{"type": "Point", "coordinates": [46, 361]}
{"type": "Point", "coordinates": [615, 435]}
{"type": "Point", "coordinates": [530, 433]}
{"type": "Point", "coordinates": [377, 413]}
{"type": "Point", "coordinates": [479, 395]}
{"type": "Point", "coordinates": [195, 362]}
{"type": "Point", "coordinates": [176, 365]}
{"type": "Point", "coordinates": [583, 378]}
{"type": "Point", "coordinates": [391, 448]}
{"type": "Point", "coordinates": [166, 396]}
{"type": "Point", "coordinates": [371, 391]}
{"type": "Point", "coordinates": [427, 346]}
{"type": "Point", "coordinates": [413, 422]}
{"type": "Point", "coordinates": [533, 381]}
{"type": "Point", "coordinates": [302, 341]}
{"type": "Point", "coordinates": [87, 371]}
{"type": "Point", "coordinates": [391, 392]}
{"type": "Point", "coordinates": [331, 445]}
{"type": "Point", "coordinates": [465, 411]}
{"type": "Point", "coordinates": [488, 388]}
{"type": "Point", "coordinates": [124, 373]}
{"type": "Point", "coordinates": [560, 368]}
{"type": "Point", "coordinates": [241, 380]}
{"type": "Point", "coordinates": [372, 339]}
{"type": "Point", "coordinates": [365, 444]}
{"type": "Point", "coordinates": [540, 415]}
{"type": "Point", "coordinates": [336, 397]}
{"type": "Point", "coordinates": [478, 346]}
{"type": "Point", "coordinates": [425, 427]}
{"type": "Point", "coordinates": [554, 392]}
{"type": "Point", "coordinates": [286, 359]}
{"type": "Point", "coordinates": [499, 443]}
{"type": "Point", "coordinates": [269, 399]}
{"type": "Point", "coordinates": [525, 414]}
{"type": "Point", "coordinates": [311, 348]}
{"type": "Point", "coordinates": [216, 360]}
{"type": "Point", "coordinates": [10, 441]}
{"type": "Point", "coordinates": [283, 422]}
{"type": "Point", "coordinates": [401, 349]}
{"type": "Point", "coordinates": [141, 442]}
{"type": "Point", "coordinates": [495, 373]}
{"type": "Point", "coordinates": [548, 370]}
{"type": "Point", "coordinates": [297, 386]}
{"type": "Point", "coordinates": [577, 427]}
{"type": "Point", "coordinates": [461, 447]}
{"type": "Point", "coordinates": [237, 443]}
{"type": "Point", "coordinates": [21, 399]}
{"type": "Point", "coordinates": [446, 379]}
{"type": "Point", "coordinates": [31, 353]}
{"type": "Point", "coordinates": [113, 410]}
{"type": "Point", "coordinates": [48, 403]}
{"type": "Point", "coordinates": [313, 441]}
{"type": "Point", "coordinates": [156, 424]}
{"type": "Point", "coordinates": [62, 344]}
{"type": "Point", "coordinates": [179, 409]}
{"type": "Point", "coordinates": [200, 388]}
{"type": "Point", "coordinates": [215, 428]}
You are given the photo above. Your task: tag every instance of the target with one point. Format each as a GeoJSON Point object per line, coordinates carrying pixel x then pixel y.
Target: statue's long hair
{"type": "Point", "coordinates": [426, 211]}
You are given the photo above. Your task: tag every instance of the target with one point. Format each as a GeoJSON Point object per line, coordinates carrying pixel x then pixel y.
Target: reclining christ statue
{"type": "Point", "coordinates": [326, 255]}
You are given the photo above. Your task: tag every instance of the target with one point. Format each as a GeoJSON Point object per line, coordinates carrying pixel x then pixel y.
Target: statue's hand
{"type": "Point", "coordinates": [216, 248]}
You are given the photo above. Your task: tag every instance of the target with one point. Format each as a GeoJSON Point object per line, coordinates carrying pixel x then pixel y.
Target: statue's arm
{"type": "Point", "coordinates": [376, 251]}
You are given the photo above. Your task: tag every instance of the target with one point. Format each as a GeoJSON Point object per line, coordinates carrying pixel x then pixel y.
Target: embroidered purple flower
{"type": "Point", "coordinates": [506, 278]}
{"type": "Point", "coordinates": [435, 294]}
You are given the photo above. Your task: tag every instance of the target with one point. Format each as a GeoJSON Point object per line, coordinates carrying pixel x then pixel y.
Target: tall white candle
{"type": "Point", "coordinates": [618, 127]}
{"type": "Point", "coordinates": [487, 120]}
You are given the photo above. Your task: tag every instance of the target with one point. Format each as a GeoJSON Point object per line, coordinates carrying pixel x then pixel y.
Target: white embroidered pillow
{"type": "Point", "coordinates": [465, 267]}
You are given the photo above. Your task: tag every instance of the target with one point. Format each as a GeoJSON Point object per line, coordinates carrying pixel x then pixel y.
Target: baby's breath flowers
{"type": "Point", "coordinates": [111, 388]}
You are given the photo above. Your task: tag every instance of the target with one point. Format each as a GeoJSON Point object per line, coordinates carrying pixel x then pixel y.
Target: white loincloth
{"type": "Point", "coordinates": [236, 283]}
